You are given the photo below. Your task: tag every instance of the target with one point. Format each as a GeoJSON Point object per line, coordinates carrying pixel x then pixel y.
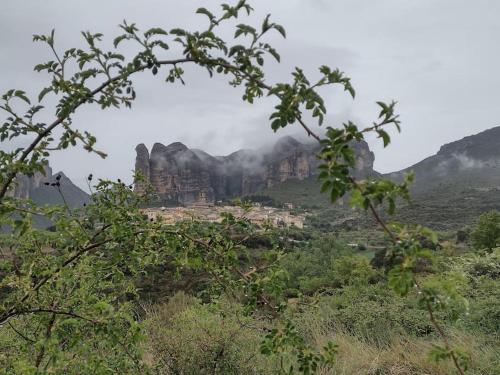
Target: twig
{"type": "Point", "coordinates": [27, 151]}
{"type": "Point", "coordinates": [20, 334]}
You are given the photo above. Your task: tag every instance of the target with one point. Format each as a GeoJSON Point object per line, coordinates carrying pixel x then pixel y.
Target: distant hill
{"type": "Point", "coordinates": [454, 186]}
{"type": "Point", "coordinates": [35, 188]}
{"type": "Point", "coordinates": [472, 162]}
{"type": "Point", "coordinates": [451, 189]}
{"type": "Point", "coordinates": [74, 196]}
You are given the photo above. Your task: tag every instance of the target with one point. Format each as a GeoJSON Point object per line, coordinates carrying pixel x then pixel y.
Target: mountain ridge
{"type": "Point", "coordinates": [180, 175]}
{"type": "Point", "coordinates": [470, 162]}
{"type": "Point", "coordinates": [38, 189]}
{"type": "Point", "coordinates": [454, 185]}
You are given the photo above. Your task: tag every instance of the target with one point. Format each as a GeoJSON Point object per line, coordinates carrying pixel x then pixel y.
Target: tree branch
{"type": "Point", "coordinates": [27, 151]}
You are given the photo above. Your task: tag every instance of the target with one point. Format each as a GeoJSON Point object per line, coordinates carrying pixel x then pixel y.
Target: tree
{"type": "Point", "coordinates": [486, 233]}
{"type": "Point", "coordinates": [68, 296]}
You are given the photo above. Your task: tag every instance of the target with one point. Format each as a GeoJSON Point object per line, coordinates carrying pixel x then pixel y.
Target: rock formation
{"type": "Point", "coordinates": [34, 188]}
{"type": "Point", "coordinates": [179, 175]}
{"type": "Point", "coordinates": [141, 166]}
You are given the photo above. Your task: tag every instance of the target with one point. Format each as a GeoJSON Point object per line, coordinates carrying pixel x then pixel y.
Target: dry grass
{"type": "Point", "coordinates": [405, 356]}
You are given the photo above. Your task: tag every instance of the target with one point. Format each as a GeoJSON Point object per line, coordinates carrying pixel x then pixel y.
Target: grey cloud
{"type": "Point", "coordinates": [439, 59]}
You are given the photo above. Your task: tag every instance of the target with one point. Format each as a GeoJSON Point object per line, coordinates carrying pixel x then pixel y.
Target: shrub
{"type": "Point", "coordinates": [372, 313]}
{"type": "Point", "coordinates": [484, 311]}
{"type": "Point", "coordinates": [187, 337]}
{"type": "Point", "coordinates": [309, 267]}
{"type": "Point", "coordinates": [487, 265]}
{"type": "Point", "coordinates": [352, 270]}
{"type": "Point", "coordinates": [483, 292]}
{"type": "Point", "coordinates": [486, 233]}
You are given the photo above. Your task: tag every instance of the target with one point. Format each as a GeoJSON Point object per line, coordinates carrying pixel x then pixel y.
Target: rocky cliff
{"type": "Point", "coordinates": [35, 188]}
{"type": "Point", "coordinates": [179, 175]}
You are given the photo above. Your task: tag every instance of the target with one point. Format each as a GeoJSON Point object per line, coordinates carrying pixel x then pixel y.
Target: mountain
{"type": "Point", "coordinates": [180, 175]}
{"type": "Point", "coordinates": [472, 162]}
{"type": "Point", "coordinates": [451, 189]}
{"type": "Point", "coordinates": [457, 184]}
{"type": "Point", "coordinates": [35, 188]}
{"type": "Point", "coordinates": [39, 189]}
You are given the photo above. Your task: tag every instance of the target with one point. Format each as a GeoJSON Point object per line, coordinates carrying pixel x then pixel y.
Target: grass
{"type": "Point", "coordinates": [405, 355]}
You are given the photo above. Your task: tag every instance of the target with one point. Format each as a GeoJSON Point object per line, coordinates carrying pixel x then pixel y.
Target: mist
{"type": "Point", "coordinates": [433, 57]}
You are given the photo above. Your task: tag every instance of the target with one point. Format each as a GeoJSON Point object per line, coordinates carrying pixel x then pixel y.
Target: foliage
{"type": "Point", "coordinates": [308, 266]}
{"type": "Point", "coordinates": [187, 337]}
{"type": "Point", "coordinates": [370, 312]}
{"type": "Point", "coordinates": [286, 339]}
{"type": "Point", "coordinates": [352, 270]}
{"type": "Point", "coordinates": [72, 292]}
{"type": "Point", "coordinates": [323, 264]}
{"type": "Point", "coordinates": [483, 290]}
{"type": "Point", "coordinates": [486, 234]}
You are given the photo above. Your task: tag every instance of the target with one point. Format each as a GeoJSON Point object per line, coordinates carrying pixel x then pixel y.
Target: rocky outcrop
{"type": "Point", "coordinates": [141, 167]}
{"type": "Point", "coordinates": [24, 185]}
{"type": "Point", "coordinates": [179, 175]}
{"type": "Point", "coordinates": [38, 189]}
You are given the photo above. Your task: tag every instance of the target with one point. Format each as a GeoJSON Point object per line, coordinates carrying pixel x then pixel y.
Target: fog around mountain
{"type": "Point", "coordinates": [434, 57]}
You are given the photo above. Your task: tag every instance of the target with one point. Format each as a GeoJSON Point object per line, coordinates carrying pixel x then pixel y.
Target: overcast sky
{"type": "Point", "coordinates": [438, 58]}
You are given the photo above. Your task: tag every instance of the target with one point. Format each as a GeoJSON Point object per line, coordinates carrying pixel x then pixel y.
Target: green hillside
{"type": "Point", "coordinates": [444, 207]}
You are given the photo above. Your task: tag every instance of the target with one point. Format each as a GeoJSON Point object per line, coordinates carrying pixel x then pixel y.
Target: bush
{"type": "Point", "coordinates": [372, 313]}
{"type": "Point", "coordinates": [487, 265]}
{"type": "Point", "coordinates": [352, 270]}
{"type": "Point", "coordinates": [484, 310]}
{"type": "Point", "coordinates": [187, 337]}
{"type": "Point", "coordinates": [309, 268]}
{"type": "Point", "coordinates": [486, 234]}
{"type": "Point", "coordinates": [483, 292]}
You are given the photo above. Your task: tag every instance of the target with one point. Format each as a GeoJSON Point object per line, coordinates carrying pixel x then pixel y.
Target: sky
{"type": "Point", "coordinates": [438, 58]}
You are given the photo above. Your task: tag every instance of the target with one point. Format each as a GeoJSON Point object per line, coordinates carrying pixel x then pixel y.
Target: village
{"type": "Point", "coordinates": [257, 214]}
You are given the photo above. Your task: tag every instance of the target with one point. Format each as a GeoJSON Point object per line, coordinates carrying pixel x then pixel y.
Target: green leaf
{"type": "Point", "coordinates": [265, 25]}
{"type": "Point", "coordinates": [275, 54]}
{"type": "Point", "coordinates": [206, 13]}
{"type": "Point", "coordinates": [155, 31]}
{"type": "Point", "coordinates": [118, 40]}
{"type": "Point", "coordinates": [325, 186]}
{"type": "Point", "coordinates": [351, 91]}
{"type": "Point", "coordinates": [384, 109]}
{"type": "Point", "coordinates": [334, 194]}
{"type": "Point", "coordinates": [356, 199]}
{"type": "Point", "coordinates": [178, 32]}
{"type": "Point", "coordinates": [281, 30]}
{"type": "Point", "coordinates": [401, 280]}
{"type": "Point", "coordinates": [385, 136]}
{"type": "Point", "coordinates": [22, 95]}
{"type": "Point", "coordinates": [44, 92]}
{"type": "Point", "coordinates": [235, 49]}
